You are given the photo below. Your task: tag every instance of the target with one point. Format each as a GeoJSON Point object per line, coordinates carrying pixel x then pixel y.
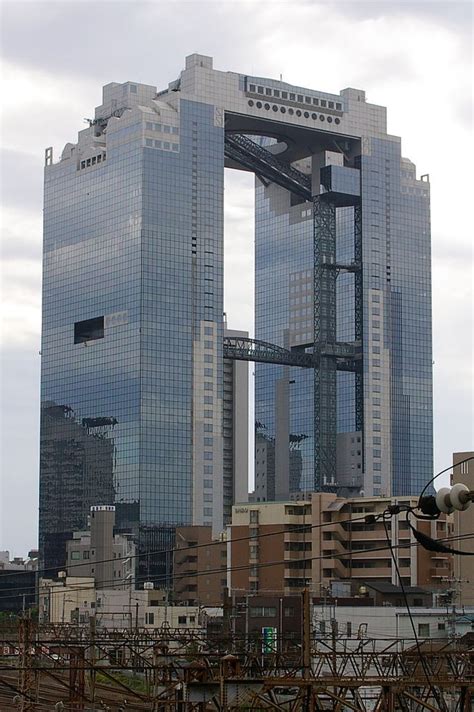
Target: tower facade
{"type": "Point", "coordinates": [235, 424]}
{"type": "Point", "coordinates": [133, 348]}
{"type": "Point", "coordinates": [132, 321]}
{"type": "Point", "coordinates": [370, 278]}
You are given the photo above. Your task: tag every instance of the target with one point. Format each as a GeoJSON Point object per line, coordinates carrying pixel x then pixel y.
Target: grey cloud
{"type": "Point", "coordinates": [21, 183]}
{"type": "Point", "coordinates": [454, 254]}
{"type": "Point", "coordinates": [116, 41]}
{"type": "Point", "coordinates": [23, 281]}
{"type": "Point", "coordinates": [455, 15]}
{"type": "Point", "coordinates": [14, 249]}
{"type": "Point", "coordinates": [463, 109]}
{"type": "Point", "coordinates": [393, 66]}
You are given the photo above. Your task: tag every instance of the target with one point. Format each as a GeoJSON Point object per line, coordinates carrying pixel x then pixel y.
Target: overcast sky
{"type": "Point", "coordinates": [413, 57]}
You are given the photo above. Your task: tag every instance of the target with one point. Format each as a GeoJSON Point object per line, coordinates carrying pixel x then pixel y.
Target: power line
{"type": "Point", "coordinates": [407, 605]}
{"type": "Point", "coordinates": [302, 527]}
{"type": "Point", "coordinates": [240, 567]}
{"type": "Point", "coordinates": [216, 542]}
{"type": "Point", "coordinates": [349, 553]}
{"type": "Point", "coordinates": [446, 469]}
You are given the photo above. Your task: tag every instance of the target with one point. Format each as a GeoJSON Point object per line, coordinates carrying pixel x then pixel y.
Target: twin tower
{"type": "Point", "coordinates": [133, 387]}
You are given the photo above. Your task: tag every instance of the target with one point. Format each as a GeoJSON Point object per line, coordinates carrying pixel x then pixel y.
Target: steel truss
{"type": "Point", "coordinates": [324, 335]}
{"type": "Point", "coordinates": [326, 270]}
{"type": "Point", "coordinates": [327, 357]}
{"type": "Point", "coordinates": [250, 155]}
{"type": "Point", "coordinates": [189, 670]}
{"type": "Point", "coordinates": [347, 356]}
{"type": "Point", "coordinates": [358, 316]}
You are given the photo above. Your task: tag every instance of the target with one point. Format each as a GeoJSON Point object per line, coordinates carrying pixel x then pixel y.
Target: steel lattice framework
{"type": "Point", "coordinates": [79, 669]}
{"type": "Point", "coordinates": [346, 356]}
{"type": "Point", "coordinates": [250, 155]}
{"type": "Point", "coordinates": [328, 355]}
{"type": "Point", "coordinates": [358, 315]}
{"type": "Point", "coordinates": [325, 335]}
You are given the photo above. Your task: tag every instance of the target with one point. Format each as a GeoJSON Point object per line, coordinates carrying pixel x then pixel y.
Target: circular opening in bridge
{"type": "Point", "coordinates": [259, 104]}
{"type": "Point", "coordinates": [330, 119]}
{"type": "Point", "coordinates": [267, 106]}
{"type": "Point", "coordinates": [298, 112]}
{"type": "Point", "coordinates": [306, 115]}
{"type": "Point", "coordinates": [282, 109]}
{"type": "Point", "coordinates": [337, 121]}
{"type": "Point", "coordinates": [321, 117]}
{"type": "Point", "coordinates": [275, 107]}
{"type": "Point", "coordinates": [291, 112]}
{"type": "Point", "coordinates": [250, 102]}
{"type": "Point", "coordinates": [279, 147]}
{"type": "Point", "coordinates": [314, 116]}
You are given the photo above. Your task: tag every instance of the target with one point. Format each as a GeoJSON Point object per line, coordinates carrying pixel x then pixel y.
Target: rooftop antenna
{"type": "Point", "coordinates": [281, 77]}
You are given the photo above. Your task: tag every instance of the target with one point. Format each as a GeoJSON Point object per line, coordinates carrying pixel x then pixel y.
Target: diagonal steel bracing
{"type": "Point", "coordinates": [358, 314]}
{"type": "Point", "coordinates": [250, 155]}
{"type": "Point", "coordinates": [346, 356]}
{"type": "Point", "coordinates": [324, 335]}
{"type": "Point", "coordinates": [328, 355]}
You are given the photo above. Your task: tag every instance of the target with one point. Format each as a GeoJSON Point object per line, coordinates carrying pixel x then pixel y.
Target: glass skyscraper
{"type": "Point", "coordinates": [132, 320]}
{"type": "Point", "coordinates": [132, 386]}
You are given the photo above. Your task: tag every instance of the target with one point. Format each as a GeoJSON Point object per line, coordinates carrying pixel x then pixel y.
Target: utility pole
{"type": "Point", "coordinates": [25, 673]}
{"type": "Point", "coordinates": [334, 653]}
{"type": "Point", "coordinates": [92, 659]}
{"type": "Point", "coordinates": [227, 610]}
{"type": "Point", "coordinates": [307, 649]}
{"type": "Point", "coordinates": [306, 635]}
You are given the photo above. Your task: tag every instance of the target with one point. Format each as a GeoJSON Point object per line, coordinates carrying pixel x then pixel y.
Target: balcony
{"type": "Point", "coordinates": [338, 568]}
{"type": "Point", "coordinates": [374, 553]}
{"type": "Point", "coordinates": [186, 569]}
{"type": "Point", "coordinates": [367, 535]}
{"type": "Point", "coordinates": [296, 537]}
{"type": "Point", "coordinates": [440, 572]}
{"type": "Point", "coordinates": [335, 546]}
{"type": "Point", "coordinates": [335, 527]}
{"type": "Point", "coordinates": [296, 555]}
{"type": "Point", "coordinates": [379, 572]}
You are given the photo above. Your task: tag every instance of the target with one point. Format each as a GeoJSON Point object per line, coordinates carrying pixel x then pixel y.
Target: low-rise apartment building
{"type": "Point", "coordinates": [17, 582]}
{"type": "Point", "coordinates": [75, 599]}
{"type": "Point", "coordinates": [287, 546]}
{"type": "Point", "coordinates": [98, 552]}
{"type": "Point", "coordinates": [199, 567]}
{"type": "Point", "coordinates": [66, 599]}
{"type": "Point", "coordinates": [385, 623]}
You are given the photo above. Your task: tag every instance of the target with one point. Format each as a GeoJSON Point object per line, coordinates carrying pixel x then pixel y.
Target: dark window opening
{"type": "Point", "coordinates": [89, 330]}
{"type": "Point", "coordinates": [296, 199]}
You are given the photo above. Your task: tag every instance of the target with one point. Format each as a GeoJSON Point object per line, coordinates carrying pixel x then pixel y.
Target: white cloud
{"type": "Point", "coordinates": [412, 57]}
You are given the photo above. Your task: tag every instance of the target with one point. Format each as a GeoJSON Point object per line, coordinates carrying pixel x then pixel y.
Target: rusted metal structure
{"type": "Point", "coordinates": [76, 670]}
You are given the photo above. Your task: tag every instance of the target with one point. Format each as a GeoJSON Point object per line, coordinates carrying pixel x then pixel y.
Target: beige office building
{"type": "Point", "coordinates": [463, 579]}
{"type": "Point", "coordinates": [325, 538]}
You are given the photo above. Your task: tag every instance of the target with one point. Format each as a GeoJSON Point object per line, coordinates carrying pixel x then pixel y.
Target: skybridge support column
{"type": "Point", "coordinates": [358, 316]}
{"type": "Point", "coordinates": [324, 334]}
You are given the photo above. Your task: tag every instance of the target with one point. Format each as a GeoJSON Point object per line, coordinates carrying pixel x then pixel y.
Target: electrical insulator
{"type": "Point", "coordinates": [456, 497]}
